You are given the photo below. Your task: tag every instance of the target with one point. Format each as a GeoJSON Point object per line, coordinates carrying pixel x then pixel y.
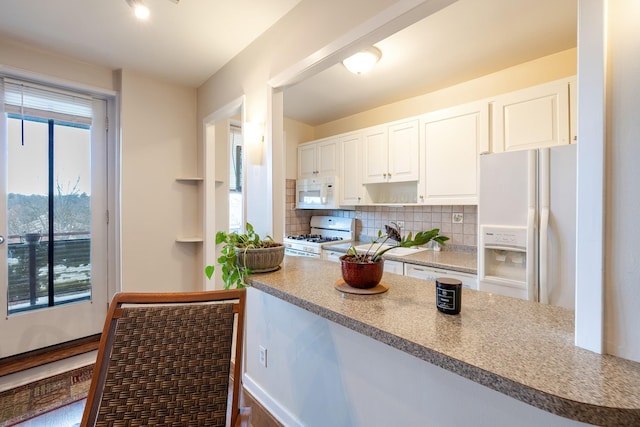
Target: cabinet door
{"type": "Point", "coordinates": [395, 267]}
{"type": "Point", "coordinates": [307, 161]}
{"type": "Point", "coordinates": [375, 155]}
{"type": "Point", "coordinates": [327, 157]}
{"type": "Point", "coordinates": [453, 139]}
{"type": "Point", "coordinates": [535, 117]}
{"type": "Point", "coordinates": [350, 173]}
{"type": "Point", "coordinates": [404, 150]}
{"type": "Point", "coordinates": [430, 273]}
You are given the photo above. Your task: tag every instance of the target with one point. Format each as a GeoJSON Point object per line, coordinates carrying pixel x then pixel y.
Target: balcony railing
{"type": "Point", "coordinates": [28, 270]}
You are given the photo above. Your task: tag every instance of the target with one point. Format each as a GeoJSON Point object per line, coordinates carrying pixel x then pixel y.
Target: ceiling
{"type": "Point", "coordinates": [184, 43]}
{"type": "Point", "coordinates": [465, 40]}
{"type": "Point", "coordinates": [188, 42]}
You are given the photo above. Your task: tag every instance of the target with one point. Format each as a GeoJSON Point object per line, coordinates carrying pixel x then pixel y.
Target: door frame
{"type": "Point", "coordinates": [111, 163]}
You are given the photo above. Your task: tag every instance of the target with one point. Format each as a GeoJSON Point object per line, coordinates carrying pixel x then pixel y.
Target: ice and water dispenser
{"type": "Point", "coordinates": [503, 260]}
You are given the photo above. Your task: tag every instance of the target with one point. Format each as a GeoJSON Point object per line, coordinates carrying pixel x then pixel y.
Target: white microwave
{"type": "Point", "coordinates": [317, 193]}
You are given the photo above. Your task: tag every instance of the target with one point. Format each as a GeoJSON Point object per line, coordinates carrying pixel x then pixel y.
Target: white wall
{"type": "Point", "coordinates": [158, 145]}
{"type": "Point", "coordinates": [313, 25]}
{"type": "Point", "coordinates": [31, 60]}
{"type": "Point", "coordinates": [322, 374]}
{"type": "Point", "coordinates": [295, 133]}
{"type": "Point", "coordinates": [622, 206]}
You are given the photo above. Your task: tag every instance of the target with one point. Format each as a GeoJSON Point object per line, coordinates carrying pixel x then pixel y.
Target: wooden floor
{"type": "Point", "coordinates": [260, 417]}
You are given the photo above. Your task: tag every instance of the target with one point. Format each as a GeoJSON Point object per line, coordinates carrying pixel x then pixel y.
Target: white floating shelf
{"type": "Point", "coordinates": [189, 179]}
{"type": "Point", "coordinates": [189, 239]}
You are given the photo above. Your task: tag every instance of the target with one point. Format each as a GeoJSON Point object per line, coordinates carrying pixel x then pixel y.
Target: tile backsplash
{"type": "Point", "coordinates": [370, 219]}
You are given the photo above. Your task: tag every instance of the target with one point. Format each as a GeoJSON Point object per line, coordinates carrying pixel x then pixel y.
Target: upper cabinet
{"type": "Point", "coordinates": [318, 158]}
{"type": "Point", "coordinates": [390, 153]}
{"type": "Point", "coordinates": [535, 117]}
{"type": "Point", "coordinates": [452, 140]}
{"type": "Point", "coordinates": [350, 170]}
{"type": "Point", "coordinates": [433, 158]}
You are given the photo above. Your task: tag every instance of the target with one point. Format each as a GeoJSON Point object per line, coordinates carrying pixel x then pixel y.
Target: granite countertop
{"type": "Point", "coordinates": [522, 349]}
{"type": "Point", "coordinates": [465, 262]}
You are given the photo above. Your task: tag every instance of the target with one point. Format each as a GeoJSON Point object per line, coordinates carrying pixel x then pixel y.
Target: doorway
{"type": "Point", "coordinates": [224, 163]}
{"type": "Point", "coordinates": [53, 195]}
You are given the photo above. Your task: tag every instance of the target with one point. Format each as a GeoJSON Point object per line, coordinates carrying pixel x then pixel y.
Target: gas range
{"type": "Point", "coordinates": [324, 230]}
{"type": "Point", "coordinates": [314, 238]}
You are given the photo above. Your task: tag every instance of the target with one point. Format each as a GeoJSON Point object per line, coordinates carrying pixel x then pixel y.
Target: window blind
{"type": "Point", "coordinates": [30, 100]}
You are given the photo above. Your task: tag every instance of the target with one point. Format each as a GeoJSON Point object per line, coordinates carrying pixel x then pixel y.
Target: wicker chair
{"type": "Point", "coordinates": [164, 359]}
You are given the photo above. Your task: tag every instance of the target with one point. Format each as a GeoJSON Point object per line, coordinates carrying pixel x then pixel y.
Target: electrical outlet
{"type": "Point", "coordinates": [400, 224]}
{"type": "Point", "coordinates": [358, 214]}
{"type": "Point", "coordinates": [263, 356]}
{"type": "Point", "coordinates": [457, 217]}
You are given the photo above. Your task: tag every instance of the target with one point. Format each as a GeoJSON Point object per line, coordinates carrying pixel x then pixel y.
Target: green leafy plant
{"type": "Point", "coordinates": [393, 234]}
{"type": "Point", "coordinates": [236, 244]}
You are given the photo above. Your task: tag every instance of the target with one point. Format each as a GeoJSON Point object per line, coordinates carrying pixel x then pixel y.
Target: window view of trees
{"type": "Point", "coordinates": [30, 213]}
{"type": "Point", "coordinates": [47, 267]}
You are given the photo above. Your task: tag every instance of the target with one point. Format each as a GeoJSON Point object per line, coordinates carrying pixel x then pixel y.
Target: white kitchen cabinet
{"type": "Point", "coordinates": [452, 140]}
{"type": "Point", "coordinates": [331, 255]}
{"type": "Point", "coordinates": [430, 273]}
{"type": "Point", "coordinates": [390, 153]}
{"type": "Point", "coordinates": [350, 177]}
{"type": "Point", "coordinates": [404, 151]}
{"type": "Point", "coordinates": [534, 117]}
{"type": "Point", "coordinates": [395, 267]}
{"type": "Point", "coordinates": [318, 158]}
{"type": "Point", "coordinates": [375, 154]}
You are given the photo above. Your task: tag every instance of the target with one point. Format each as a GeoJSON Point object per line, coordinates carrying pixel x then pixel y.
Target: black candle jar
{"type": "Point", "coordinates": [448, 295]}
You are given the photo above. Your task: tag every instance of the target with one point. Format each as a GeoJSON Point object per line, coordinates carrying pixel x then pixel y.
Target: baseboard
{"type": "Point", "coordinates": [278, 411]}
{"type": "Point", "coordinates": [32, 359]}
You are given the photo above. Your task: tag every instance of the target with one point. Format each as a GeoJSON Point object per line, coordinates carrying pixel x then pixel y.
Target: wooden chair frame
{"type": "Point", "coordinates": [237, 297]}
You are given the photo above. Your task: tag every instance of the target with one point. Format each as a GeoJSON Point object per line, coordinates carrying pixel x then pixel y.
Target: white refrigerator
{"type": "Point", "coordinates": [527, 224]}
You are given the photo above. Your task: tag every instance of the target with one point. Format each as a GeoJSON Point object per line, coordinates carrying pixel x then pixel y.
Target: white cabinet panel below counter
{"type": "Point", "coordinates": [429, 273]}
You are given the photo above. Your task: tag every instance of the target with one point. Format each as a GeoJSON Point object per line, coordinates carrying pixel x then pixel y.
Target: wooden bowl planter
{"type": "Point", "coordinates": [261, 260]}
{"type": "Point", "coordinates": [362, 274]}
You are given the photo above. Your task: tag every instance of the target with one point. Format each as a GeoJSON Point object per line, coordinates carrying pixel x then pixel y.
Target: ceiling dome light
{"type": "Point", "coordinates": [139, 8]}
{"type": "Point", "coordinates": [141, 11]}
{"type": "Point", "coordinates": [363, 61]}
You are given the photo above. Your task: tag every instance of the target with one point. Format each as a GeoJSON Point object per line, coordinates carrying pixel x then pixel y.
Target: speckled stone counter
{"type": "Point", "coordinates": [465, 262]}
{"type": "Point", "coordinates": [522, 349]}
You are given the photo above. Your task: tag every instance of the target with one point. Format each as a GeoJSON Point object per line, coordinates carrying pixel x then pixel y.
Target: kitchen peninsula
{"type": "Point", "coordinates": [393, 359]}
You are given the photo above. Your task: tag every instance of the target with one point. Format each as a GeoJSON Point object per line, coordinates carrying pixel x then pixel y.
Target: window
{"type": "Point", "coordinates": [235, 179]}
{"type": "Point", "coordinates": [49, 197]}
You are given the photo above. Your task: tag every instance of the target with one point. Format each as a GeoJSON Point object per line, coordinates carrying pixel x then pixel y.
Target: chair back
{"type": "Point", "coordinates": [164, 359]}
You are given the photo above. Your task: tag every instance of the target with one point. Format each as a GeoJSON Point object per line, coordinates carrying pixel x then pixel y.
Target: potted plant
{"type": "Point", "coordinates": [364, 270]}
{"type": "Point", "coordinates": [244, 254]}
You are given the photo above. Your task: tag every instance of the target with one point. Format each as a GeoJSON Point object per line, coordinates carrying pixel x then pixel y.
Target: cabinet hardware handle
{"type": "Point", "coordinates": [1, 240]}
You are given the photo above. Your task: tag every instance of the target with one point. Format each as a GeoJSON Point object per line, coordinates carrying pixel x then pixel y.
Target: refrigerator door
{"type": "Point", "coordinates": [504, 188]}
{"type": "Point", "coordinates": [507, 200]}
{"type": "Point", "coordinates": [557, 201]}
